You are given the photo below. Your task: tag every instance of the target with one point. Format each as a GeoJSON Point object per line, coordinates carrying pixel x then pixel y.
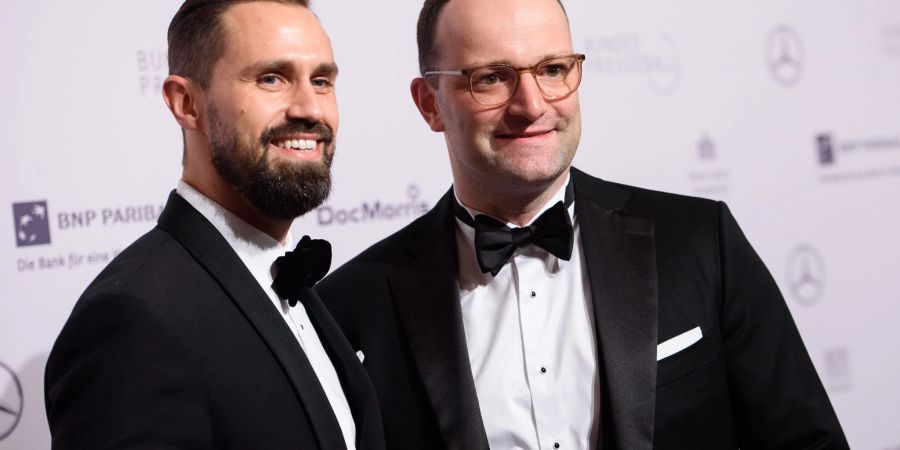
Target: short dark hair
{"type": "Point", "coordinates": [197, 37]}
{"type": "Point", "coordinates": [427, 28]}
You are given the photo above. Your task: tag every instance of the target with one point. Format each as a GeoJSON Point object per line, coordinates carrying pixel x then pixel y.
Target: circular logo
{"type": "Point", "coordinates": [784, 55]}
{"type": "Point", "coordinates": [806, 274]}
{"type": "Point", "coordinates": [664, 64]}
{"type": "Point", "coordinates": [11, 401]}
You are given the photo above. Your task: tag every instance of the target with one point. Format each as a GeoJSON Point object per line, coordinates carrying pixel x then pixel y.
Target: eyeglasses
{"type": "Point", "coordinates": [492, 85]}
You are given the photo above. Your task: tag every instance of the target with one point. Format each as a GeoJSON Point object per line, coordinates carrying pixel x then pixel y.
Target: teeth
{"type": "Point", "coordinates": [298, 144]}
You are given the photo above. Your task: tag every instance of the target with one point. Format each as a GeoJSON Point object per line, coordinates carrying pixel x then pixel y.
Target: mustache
{"type": "Point", "coordinates": [298, 126]}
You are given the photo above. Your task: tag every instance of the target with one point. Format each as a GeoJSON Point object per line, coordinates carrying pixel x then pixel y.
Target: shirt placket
{"type": "Point", "coordinates": [298, 328]}
{"type": "Point", "coordinates": [533, 297]}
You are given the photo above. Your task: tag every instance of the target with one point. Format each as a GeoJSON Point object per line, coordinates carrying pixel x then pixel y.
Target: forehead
{"type": "Point", "coordinates": [269, 30]}
{"type": "Point", "coordinates": [519, 32]}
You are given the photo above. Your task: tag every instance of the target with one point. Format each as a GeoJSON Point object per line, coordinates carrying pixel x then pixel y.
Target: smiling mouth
{"type": "Point", "coordinates": [523, 135]}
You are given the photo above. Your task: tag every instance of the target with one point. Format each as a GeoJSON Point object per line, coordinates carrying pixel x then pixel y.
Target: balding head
{"type": "Point", "coordinates": [426, 32]}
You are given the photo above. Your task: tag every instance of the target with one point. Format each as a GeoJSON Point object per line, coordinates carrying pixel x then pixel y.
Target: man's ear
{"type": "Point", "coordinates": [424, 96]}
{"type": "Point", "coordinates": [182, 97]}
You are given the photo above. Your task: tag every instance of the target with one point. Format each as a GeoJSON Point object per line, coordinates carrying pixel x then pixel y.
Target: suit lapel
{"type": "Point", "coordinates": [426, 297]}
{"type": "Point", "coordinates": [621, 260]}
{"type": "Point", "coordinates": [357, 386]}
{"type": "Point", "coordinates": [211, 250]}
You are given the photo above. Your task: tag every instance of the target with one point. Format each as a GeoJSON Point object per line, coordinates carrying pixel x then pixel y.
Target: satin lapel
{"type": "Point", "coordinates": [357, 385]}
{"type": "Point", "coordinates": [426, 297]}
{"type": "Point", "coordinates": [211, 250]}
{"type": "Point", "coordinates": [621, 260]}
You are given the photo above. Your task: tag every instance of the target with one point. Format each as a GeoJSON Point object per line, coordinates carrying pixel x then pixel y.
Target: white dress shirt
{"type": "Point", "coordinates": [530, 336]}
{"type": "Point", "coordinates": [258, 251]}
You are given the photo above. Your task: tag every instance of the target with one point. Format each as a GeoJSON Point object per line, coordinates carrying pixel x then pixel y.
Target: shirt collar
{"type": "Point", "coordinates": [256, 249]}
{"type": "Point", "coordinates": [553, 264]}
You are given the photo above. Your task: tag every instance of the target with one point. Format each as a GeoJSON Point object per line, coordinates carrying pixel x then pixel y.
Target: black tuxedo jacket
{"type": "Point", "coordinates": [659, 265]}
{"type": "Point", "coordinates": [175, 346]}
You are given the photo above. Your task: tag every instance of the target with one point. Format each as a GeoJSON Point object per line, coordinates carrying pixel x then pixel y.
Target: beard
{"type": "Point", "coordinates": [279, 189]}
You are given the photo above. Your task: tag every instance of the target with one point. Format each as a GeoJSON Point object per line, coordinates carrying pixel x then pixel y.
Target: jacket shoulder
{"type": "Point", "coordinates": [153, 270]}
{"type": "Point", "coordinates": [642, 202]}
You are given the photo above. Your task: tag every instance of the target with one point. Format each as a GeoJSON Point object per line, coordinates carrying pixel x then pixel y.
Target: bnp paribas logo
{"type": "Point", "coordinates": [32, 224]}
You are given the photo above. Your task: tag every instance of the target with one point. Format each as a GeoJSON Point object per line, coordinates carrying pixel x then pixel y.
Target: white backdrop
{"type": "Point", "coordinates": [786, 110]}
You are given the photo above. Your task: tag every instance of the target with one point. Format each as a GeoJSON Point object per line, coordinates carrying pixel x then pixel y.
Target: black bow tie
{"type": "Point", "coordinates": [495, 242]}
{"type": "Point", "coordinates": [301, 269]}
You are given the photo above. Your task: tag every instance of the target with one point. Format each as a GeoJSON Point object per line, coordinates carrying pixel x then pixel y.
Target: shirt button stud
{"type": "Point", "coordinates": [543, 370]}
{"type": "Point", "coordinates": [533, 294]}
{"type": "Point", "coordinates": [556, 445]}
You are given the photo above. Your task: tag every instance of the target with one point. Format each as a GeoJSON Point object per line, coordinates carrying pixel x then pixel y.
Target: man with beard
{"type": "Point", "coordinates": [199, 335]}
{"type": "Point", "coordinates": [537, 307]}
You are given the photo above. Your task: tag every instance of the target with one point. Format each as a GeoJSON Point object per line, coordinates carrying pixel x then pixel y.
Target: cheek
{"type": "Point", "coordinates": [452, 110]}
{"type": "Point", "coordinates": [483, 123]}
{"type": "Point", "coordinates": [469, 120]}
{"type": "Point", "coordinates": [332, 117]}
{"type": "Point", "coordinates": [570, 109]}
{"type": "Point", "coordinates": [255, 116]}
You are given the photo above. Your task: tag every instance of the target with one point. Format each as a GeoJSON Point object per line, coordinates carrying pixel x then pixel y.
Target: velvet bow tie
{"type": "Point", "coordinates": [495, 242]}
{"type": "Point", "coordinates": [301, 269]}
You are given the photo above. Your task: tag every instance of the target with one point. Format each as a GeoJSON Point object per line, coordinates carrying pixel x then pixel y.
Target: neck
{"type": "Point", "coordinates": [516, 203]}
{"type": "Point", "coordinates": [214, 188]}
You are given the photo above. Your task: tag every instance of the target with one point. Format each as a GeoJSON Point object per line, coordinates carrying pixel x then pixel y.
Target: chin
{"type": "Point", "coordinates": [533, 172]}
{"type": "Point", "coordinates": [529, 179]}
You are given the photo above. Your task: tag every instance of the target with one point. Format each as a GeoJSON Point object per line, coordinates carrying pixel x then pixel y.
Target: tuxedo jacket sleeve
{"type": "Point", "coordinates": [659, 265]}
{"type": "Point", "coordinates": [175, 346]}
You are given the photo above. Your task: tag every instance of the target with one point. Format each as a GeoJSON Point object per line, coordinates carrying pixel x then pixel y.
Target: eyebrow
{"type": "Point", "coordinates": [283, 66]}
{"type": "Point", "coordinates": [328, 69]}
{"type": "Point", "coordinates": [506, 62]}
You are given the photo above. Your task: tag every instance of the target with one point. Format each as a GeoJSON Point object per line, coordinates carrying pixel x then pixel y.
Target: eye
{"type": "Point", "coordinates": [488, 78]}
{"type": "Point", "coordinates": [323, 84]}
{"type": "Point", "coordinates": [270, 80]}
{"type": "Point", "coordinates": [553, 71]}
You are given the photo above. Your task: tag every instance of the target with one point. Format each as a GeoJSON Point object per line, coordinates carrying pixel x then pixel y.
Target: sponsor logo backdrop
{"type": "Point", "coordinates": [786, 110]}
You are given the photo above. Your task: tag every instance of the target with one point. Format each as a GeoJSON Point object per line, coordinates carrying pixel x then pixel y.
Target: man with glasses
{"type": "Point", "coordinates": [537, 307]}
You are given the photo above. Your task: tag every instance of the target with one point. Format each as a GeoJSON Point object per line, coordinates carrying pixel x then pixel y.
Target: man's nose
{"type": "Point", "coordinates": [306, 103]}
{"type": "Point", "coordinates": [527, 101]}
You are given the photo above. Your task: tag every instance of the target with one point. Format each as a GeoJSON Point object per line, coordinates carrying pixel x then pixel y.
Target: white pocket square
{"type": "Point", "coordinates": [678, 343]}
{"type": "Point", "coordinates": [360, 355]}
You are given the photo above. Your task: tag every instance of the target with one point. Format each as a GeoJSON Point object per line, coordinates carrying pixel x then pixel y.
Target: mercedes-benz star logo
{"type": "Point", "coordinates": [806, 274]}
{"type": "Point", "coordinates": [784, 55]}
{"type": "Point", "coordinates": [11, 401]}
